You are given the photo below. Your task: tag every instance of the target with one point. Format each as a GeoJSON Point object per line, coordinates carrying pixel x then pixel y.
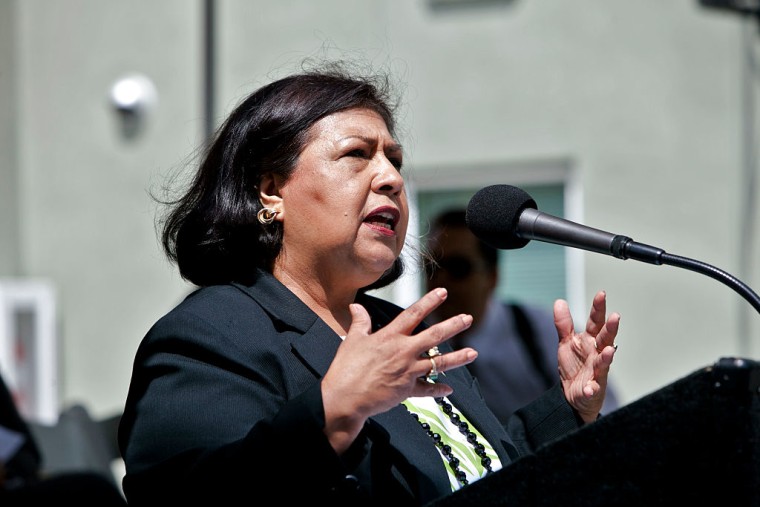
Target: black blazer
{"type": "Point", "coordinates": [225, 406]}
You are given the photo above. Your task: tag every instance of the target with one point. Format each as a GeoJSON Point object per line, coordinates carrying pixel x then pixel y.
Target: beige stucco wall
{"type": "Point", "coordinates": [643, 99]}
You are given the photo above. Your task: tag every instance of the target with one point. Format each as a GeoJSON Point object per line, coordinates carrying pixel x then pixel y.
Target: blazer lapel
{"type": "Point", "coordinates": [411, 442]}
{"type": "Point", "coordinates": [475, 409]}
{"type": "Point", "coordinates": [317, 344]}
{"type": "Point", "coordinates": [314, 341]}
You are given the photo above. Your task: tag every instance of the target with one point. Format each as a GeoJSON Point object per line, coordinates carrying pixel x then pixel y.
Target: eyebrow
{"type": "Point", "coordinates": [395, 147]}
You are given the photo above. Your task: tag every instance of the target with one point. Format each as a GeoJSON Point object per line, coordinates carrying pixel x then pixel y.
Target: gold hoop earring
{"type": "Point", "coordinates": [266, 215]}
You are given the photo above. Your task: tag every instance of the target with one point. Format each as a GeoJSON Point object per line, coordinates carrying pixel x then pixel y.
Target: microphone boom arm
{"type": "Point", "coordinates": [533, 224]}
{"type": "Point", "coordinates": [718, 274]}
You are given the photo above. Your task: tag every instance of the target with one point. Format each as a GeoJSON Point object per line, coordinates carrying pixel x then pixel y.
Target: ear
{"type": "Point", "coordinates": [269, 193]}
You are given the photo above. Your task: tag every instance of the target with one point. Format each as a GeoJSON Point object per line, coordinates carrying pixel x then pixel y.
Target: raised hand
{"type": "Point", "coordinates": [374, 372]}
{"type": "Point", "coordinates": [584, 358]}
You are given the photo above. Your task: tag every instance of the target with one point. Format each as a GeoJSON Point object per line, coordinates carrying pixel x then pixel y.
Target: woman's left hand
{"type": "Point", "coordinates": [585, 358]}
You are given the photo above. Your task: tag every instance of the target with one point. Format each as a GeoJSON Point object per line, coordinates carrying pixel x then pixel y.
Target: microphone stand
{"type": "Point", "coordinates": [624, 247]}
{"type": "Point", "coordinates": [718, 274]}
{"type": "Point", "coordinates": [533, 224]}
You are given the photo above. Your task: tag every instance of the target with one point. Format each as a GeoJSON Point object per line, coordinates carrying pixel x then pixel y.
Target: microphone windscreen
{"type": "Point", "coordinates": [493, 213]}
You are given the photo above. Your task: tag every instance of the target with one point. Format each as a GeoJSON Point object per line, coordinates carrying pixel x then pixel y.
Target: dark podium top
{"type": "Point", "coordinates": [694, 442]}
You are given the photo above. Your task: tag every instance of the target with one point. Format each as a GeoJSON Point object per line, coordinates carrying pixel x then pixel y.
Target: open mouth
{"type": "Point", "coordinates": [384, 218]}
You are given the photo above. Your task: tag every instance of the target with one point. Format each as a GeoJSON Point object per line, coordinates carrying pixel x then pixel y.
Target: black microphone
{"type": "Point", "coordinates": [507, 217]}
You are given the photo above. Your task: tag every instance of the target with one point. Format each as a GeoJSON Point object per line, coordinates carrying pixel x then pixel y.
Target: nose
{"type": "Point", "coordinates": [388, 178]}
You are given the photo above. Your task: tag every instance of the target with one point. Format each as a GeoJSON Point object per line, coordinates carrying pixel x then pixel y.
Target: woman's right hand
{"type": "Point", "coordinates": [373, 372]}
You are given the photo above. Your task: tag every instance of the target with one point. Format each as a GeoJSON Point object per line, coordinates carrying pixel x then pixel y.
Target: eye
{"type": "Point", "coordinates": [358, 152]}
{"type": "Point", "coordinates": [395, 156]}
{"type": "Point", "coordinates": [397, 162]}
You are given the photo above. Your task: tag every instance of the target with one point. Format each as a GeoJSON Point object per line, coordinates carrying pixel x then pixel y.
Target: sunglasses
{"type": "Point", "coordinates": [456, 267]}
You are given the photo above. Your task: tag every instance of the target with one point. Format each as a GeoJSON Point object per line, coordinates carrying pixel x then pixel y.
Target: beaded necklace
{"type": "Point", "coordinates": [445, 448]}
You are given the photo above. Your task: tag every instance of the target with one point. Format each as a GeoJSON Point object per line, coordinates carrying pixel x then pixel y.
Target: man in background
{"type": "Point", "coordinates": [516, 343]}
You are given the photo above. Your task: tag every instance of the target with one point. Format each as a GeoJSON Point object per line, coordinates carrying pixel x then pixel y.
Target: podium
{"type": "Point", "coordinates": [694, 442]}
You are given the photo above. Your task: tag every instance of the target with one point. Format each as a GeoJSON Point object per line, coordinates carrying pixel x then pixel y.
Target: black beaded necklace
{"type": "Point", "coordinates": [464, 428]}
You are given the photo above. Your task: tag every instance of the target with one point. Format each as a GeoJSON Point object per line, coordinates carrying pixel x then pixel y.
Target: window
{"type": "Point", "coordinates": [28, 347]}
{"type": "Point", "coordinates": [534, 273]}
{"type": "Point", "coordinates": [539, 272]}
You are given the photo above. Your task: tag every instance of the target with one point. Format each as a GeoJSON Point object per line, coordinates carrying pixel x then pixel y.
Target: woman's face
{"type": "Point", "coordinates": [344, 209]}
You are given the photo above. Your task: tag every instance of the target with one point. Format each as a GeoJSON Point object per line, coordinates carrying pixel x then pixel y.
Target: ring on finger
{"type": "Point", "coordinates": [432, 375]}
{"type": "Point", "coordinates": [433, 352]}
{"type": "Point", "coordinates": [614, 345]}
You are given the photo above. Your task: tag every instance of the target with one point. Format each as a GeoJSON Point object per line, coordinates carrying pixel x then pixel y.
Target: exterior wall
{"type": "Point", "coordinates": [9, 232]}
{"type": "Point", "coordinates": [85, 213]}
{"type": "Point", "coordinates": [643, 99]}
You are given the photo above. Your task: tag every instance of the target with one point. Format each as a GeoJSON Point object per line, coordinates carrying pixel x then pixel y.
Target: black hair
{"type": "Point", "coordinates": [457, 217]}
{"type": "Point", "coordinates": [211, 231]}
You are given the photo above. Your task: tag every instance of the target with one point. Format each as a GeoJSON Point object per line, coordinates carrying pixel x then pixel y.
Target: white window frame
{"type": "Point", "coordinates": [32, 377]}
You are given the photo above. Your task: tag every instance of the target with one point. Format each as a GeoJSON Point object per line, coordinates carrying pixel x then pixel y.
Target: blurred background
{"type": "Point", "coordinates": [637, 118]}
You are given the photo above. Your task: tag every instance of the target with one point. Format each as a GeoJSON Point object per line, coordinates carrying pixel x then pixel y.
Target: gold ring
{"type": "Point", "coordinates": [433, 352]}
{"type": "Point", "coordinates": [432, 375]}
{"type": "Point", "coordinates": [614, 346]}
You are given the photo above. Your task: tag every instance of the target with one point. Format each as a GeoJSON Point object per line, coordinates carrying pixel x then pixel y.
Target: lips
{"type": "Point", "coordinates": [385, 217]}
